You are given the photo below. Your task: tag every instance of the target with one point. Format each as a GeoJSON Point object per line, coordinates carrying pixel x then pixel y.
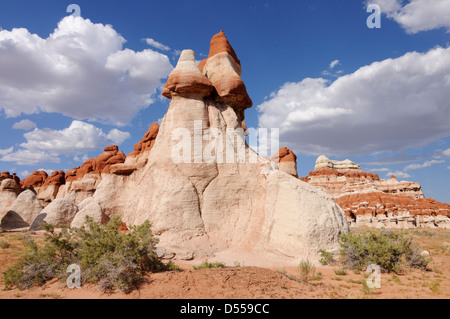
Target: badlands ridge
{"type": "Point", "coordinates": [252, 208]}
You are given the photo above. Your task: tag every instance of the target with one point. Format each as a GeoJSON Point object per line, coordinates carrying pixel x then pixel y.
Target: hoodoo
{"type": "Point", "coordinates": [217, 202]}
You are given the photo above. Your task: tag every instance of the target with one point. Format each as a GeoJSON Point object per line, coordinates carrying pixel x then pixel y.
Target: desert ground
{"type": "Point", "coordinates": [239, 281]}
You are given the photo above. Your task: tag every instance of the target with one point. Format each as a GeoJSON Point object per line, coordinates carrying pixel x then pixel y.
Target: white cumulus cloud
{"type": "Point", "coordinates": [29, 157]}
{"type": "Point", "coordinates": [80, 70]}
{"type": "Point", "coordinates": [417, 15]}
{"type": "Point", "coordinates": [117, 136]}
{"type": "Point", "coordinates": [46, 145]}
{"type": "Point", "coordinates": [24, 125]}
{"type": "Point", "coordinates": [388, 106]}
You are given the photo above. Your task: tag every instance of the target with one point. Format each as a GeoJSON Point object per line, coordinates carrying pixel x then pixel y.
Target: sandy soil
{"type": "Point", "coordinates": [259, 283]}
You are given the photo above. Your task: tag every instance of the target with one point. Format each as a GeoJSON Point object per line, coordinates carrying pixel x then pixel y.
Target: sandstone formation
{"type": "Point", "coordinates": [100, 164]}
{"type": "Point", "coordinates": [22, 211]}
{"type": "Point", "coordinates": [394, 211]}
{"type": "Point", "coordinates": [138, 158]}
{"type": "Point", "coordinates": [7, 175]}
{"type": "Point", "coordinates": [374, 202]}
{"type": "Point", "coordinates": [223, 69]}
{"type": "Point", "coordinates": [205, 198]}
{"type": "Point", "coordinates": [36, 179]}
{"type": "Point", "coordinates": [8, 194]}
{"type": "Point", "coordinates": [89, 207]}
{"type": "Point", "coordinates": [287, 161]}
{"type": "Point", "coordinates": [81, 182]}
{"type": "Point", "coordinates": [205, 191]}
{"type": "Point", "coordinates": [48, 191]}
{"type": "Point", "coordinates": [60, 212]}
{"type": "Point", "coordinates": [341, 178]}
{"type": "Point", "coordinates": [187, 78]}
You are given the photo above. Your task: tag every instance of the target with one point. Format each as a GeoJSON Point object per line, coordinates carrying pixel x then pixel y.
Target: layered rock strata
{"type": "Point", "coordinates": [374, 202]}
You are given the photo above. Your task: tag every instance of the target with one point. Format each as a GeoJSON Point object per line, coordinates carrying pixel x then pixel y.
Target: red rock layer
{"type": "Point", "coordinates": [287, 161]}
{"type": "Point", "coordinates": [284, 155]}
{"type": "Point", "coordinates": [228, 84]}
{"type": "Point", "coordinates": [57, 178]}
{"type": "Point", "coordinates": [187, 78]}
{"type": "Point", "coordinates": [219, 43]}
{"type": "Point", "coordinates": [98, 165]}
{"type": "Point", "coordinates": [7, 175]}
{"type": "Point", "coordinates": [35, 179]}
{"type": "Point", "coordinates": [361, 193]}
{"type": "Point", "coordinates": [147, 142]}
{"type": "Point", "coordinates": [325, 171]}
{"type": "Point", "coordinates": [378, 203]}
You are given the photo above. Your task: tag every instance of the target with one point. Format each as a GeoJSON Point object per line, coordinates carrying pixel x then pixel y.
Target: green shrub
{"type": "Point", "coordinates": [106, 256]}
{"type": "Point", "coordinates": [340, 271]}
{"type": "Point", "coordinates": [172, 267]}
{"type": "Point", "coordinates": [35, 268]}
{"type": "Point", "coordinates": [326, 258]}
{"type": "Point", "coordinates": [393, 252]}
{"type": "Point", "coordinates": [306, 270]}
{"type": "Point", "coordinates": [4, 244]}
{"type": "Point", "coordinates": [207, 264]}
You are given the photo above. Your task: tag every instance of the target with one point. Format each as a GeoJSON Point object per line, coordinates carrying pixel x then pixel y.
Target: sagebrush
{"type": "Point", "coordinates": [392, 251]}
{"type": "Point", "coordinates": [106, 256]}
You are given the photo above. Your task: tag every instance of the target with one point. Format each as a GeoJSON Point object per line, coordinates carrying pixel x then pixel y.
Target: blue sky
{"type": "Point", "coordinates": [380, 97]}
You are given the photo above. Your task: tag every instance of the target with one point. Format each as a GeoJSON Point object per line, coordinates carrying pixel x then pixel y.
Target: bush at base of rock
{"type": "Point", "coordinates": [392, 251]}
{"type": "Point", "coordinates": [107, 256]}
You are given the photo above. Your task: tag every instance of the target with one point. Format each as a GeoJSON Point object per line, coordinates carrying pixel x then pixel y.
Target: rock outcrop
{"type": "Point", "coordinates": [374, 202]}
{"type": "Point", "coordinates": [35, 179]}
{"type": "Point", "coordinates": [60, 212]}
{"type": "Point", "coordinates": [7, 175]}
{"type": "Point", "coordinates": [205, 197]}
{"type": "Point", "coordinates": [394, 211]}
{"type": "Point", "coordinates": [81, 182]}
{"type": "Point", "coordinates": [49, 189]}
{"type": "Point", "coordinates": [223, 69]}
{"type": "Point", "coordinates": [9, 190]}
{"type": "Point", "coordinates": [100, 164]}
{"type": "Point", "coordinates": [22, 211]}
{"type": "Point", "coordinates": [138, 158]}
{"type": "Point", "coordinates": [287, 161]}
{"type": "Point", "coordinates": [205, 191]}
{"type": "Point", "coordinates": [89, 208]}
{"type": "Point", "coordinates": [341, 178]}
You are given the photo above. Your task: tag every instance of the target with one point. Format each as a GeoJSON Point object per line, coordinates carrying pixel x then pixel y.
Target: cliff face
{"type": "Point", "coordinates": [371, 201]}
